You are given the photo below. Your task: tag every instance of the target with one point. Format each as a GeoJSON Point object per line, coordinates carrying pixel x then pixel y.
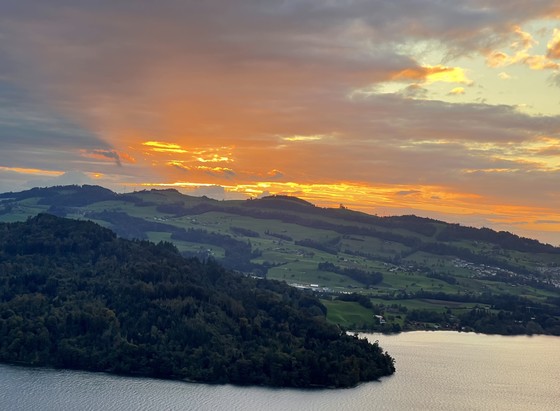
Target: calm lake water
{"type": "Point", "coordinates": [435, 371]}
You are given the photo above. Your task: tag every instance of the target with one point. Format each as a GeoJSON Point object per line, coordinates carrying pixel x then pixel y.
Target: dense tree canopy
{"type": "Point", "coordinates": [74, 295]}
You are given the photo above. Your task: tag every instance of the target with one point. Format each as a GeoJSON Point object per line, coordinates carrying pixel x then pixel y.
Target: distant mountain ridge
{"type": "Point", "coordinates": [415, 233]}
{"type": "Point", "coordinates": [81, 196]}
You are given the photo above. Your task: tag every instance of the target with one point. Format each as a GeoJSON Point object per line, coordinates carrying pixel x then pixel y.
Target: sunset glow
{"type": "Point", "coordinates": [32, 171]}
{"type": "Point", "coordinates": [445, 110]}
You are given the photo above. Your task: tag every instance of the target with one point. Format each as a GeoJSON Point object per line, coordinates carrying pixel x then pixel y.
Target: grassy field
{"type": "Point", "coordinates": [349, 314]}
{"type": "Point", "coordinates": [429, 304]}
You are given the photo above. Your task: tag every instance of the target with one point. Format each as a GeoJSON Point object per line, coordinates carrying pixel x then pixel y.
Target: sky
{"type": "Point", "coordinates": [443, 109]}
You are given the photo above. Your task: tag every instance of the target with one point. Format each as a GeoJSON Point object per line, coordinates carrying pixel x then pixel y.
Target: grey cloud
{"type": "Point", "coordinates": [68, 178]}
{"type": "Point", "coordinates": [276, 175]}
{"type": "Point", "coordinates": [109, 154]}
{"type": "Point", "coordinates": [555, 79]}
{"type": "Point", "coordinates": [392, 117]}
{"type": "Point", "coordinates": [216, 192]}
{"type": "Point", "coordinates": [550, 151]}
{"type": "Point", "coordinates": [394, 140]}
{"type": "Point", "coordinates": [24, 122]}
{"type": "Point", "coordinates": [92, 61]}
{"type": "Point", "coordinates": [10, 181]}
{"type": "Point", "coordinates": [414, 91]}
{"type": "Point", "coordinates": [354, 39]}
{"type": "Point", "coordinates": [407, 192]}
{"type": "Point", "coordinates": [227, 173]}
{"type": "Point", "coordinates": [35, 136]}
{"type": "Point", "coordinates": [181, 167]}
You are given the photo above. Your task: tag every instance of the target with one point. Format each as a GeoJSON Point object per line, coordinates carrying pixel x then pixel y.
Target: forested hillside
{"type": "Point", "coordinates": [73, 295]}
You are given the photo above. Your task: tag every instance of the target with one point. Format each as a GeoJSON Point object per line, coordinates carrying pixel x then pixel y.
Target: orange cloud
{"type": "Point", "coordinates": [200, 171]}
{"type": "Point", "coordinates": [127, 158]}
{"type": "Point", "coordinates": [432, 74]}
{"type": "Point", "coordinates": [491, 170]}
{"type": "Point", "coordinates": [382, 199]}
{"type": "Point", "coordinates": [534, 62]}
{"type": "Point", "coordinates": [33, 171]}
{"type": "Point", "coordinates": [457, 91]}
{"type": "Point", "coordinates": [540, 62]}
{"type": "Point", "coordinates": [525, 40]}
{"type": "Point", "coordinates": [497, 59]}
{"type": "Point", "coordinates": [179, 164]}
{"type": "Point", "coordinates": [275, 174]}
{"type": "Point", "coordinates": [217, 171]}
{"type": "Point", "coordinates": [214, 158]}
{"type": "Point", "coordinates": [164, 147]}
{"type": "Point", "coordinates": [521, 54]}
{"type": "Point", "coordinates": [303, 138]}
{"type": "Point", "coordinates": [553, 47]}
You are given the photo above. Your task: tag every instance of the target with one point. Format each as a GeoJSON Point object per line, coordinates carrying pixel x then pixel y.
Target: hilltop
{"type": "Point", "coordinates": [373, 273]}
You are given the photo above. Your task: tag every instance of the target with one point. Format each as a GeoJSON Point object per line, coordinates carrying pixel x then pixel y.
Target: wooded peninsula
{"type": "Point", "coordinates": [74, 295]}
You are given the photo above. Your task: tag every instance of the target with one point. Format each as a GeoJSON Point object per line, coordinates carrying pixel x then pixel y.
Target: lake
{"type": "Point", "coordinates": [435, 371]}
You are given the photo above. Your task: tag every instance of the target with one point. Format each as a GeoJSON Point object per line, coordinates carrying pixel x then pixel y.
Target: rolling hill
{"type": "Point", "coordinates": [413, 272]}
